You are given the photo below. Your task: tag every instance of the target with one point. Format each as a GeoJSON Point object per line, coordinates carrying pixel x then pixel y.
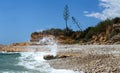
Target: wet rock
{"type": "Point", "coordinates": [63, 56]}
{"type": "Point", "coordinates": [49, 57]}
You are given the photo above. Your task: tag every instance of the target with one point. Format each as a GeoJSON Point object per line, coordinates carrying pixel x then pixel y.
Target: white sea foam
{"type": "Point", "coordinates": [51, 44]}
{"type": "Point", "coordinates": [35, 62]}
{"type": "Point", "coordinates": [64, 71]}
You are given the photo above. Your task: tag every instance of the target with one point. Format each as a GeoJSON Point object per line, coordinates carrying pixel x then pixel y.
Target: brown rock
{"type": "Point", "coordinates": [49, 57]}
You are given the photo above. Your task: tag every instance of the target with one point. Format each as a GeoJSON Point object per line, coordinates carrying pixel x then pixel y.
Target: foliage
{"type": "Point", "coordinates": [53, 31]}
{"type": "Point", "coordinates": [101, 27]}
{"type": "Point", "coordinates": [90, 33]}
{"type": "Point", "coordinates": [85, 35]}
{"type": "Point", "coordinates": [116, 20]}
{"type": "Point", "coordinates": [66, 15]}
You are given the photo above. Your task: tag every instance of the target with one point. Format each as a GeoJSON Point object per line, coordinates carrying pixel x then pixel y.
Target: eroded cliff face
{"type": "Point", "coordinates": [60, 38]}
{"type": "Point", "coordinates": [111, 35]}
{"type": "Point", "coordinates": [102, 37]}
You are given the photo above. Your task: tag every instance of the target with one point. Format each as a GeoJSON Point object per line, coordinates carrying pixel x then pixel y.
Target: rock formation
{"type": "Point", "coordinates": [111, 35]}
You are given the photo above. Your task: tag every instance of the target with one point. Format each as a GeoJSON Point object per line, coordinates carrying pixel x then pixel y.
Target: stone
{"type": "Point", "coordinates": [49, 57]}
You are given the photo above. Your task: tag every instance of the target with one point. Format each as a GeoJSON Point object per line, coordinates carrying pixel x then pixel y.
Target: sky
{"type": "Point", "coordinates": [19, 18]}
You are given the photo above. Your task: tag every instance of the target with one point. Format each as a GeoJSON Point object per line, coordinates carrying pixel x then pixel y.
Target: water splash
{"type": "Point", "coordinates": [51, 44]}
{"type": "Point", "coordinates": [35, 62]}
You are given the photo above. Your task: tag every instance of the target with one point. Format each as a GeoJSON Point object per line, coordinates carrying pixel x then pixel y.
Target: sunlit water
{"type": "Point", "coordinates": [27, 62]}
{"type": "Point", "coordinates": [30, 62]}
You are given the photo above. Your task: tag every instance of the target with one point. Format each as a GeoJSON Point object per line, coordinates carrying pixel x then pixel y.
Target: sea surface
{"type": "Point", "coordinates": [27, 62]}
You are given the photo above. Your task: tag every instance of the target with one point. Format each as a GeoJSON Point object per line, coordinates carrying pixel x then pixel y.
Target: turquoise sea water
{"type": "Point", "coordinates": [27, 62]}
{"type": "Point", "coordinates": [10, 62]}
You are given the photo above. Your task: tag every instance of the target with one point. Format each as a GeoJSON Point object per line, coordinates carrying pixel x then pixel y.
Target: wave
{"type": "Point", "coordinates": [34, 62]}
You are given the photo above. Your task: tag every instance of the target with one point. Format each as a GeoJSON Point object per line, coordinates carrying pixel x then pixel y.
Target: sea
{"type": "Point", "coordinates": [31, 62]}
{"type": "Point", "coordinates": [27, 62]}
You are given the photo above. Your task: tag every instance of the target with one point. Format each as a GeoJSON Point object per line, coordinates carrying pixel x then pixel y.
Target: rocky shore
{"type": "Point", "coordinates": [86, 58]}
{"type": "Point", "coordinates": [89, 58]}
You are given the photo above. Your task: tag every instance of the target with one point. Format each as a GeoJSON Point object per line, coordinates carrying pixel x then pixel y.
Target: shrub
{"type": "Point", "coordinates": [116, 20]}
{"type": "Point", "coordinates": [90, 33]}
{"type": "Point", "coordinates": [101, 27]}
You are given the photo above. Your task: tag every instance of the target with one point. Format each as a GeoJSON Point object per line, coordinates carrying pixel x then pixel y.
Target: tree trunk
{"type": "Point", "coordinates": [67, 29]}
{"type": "Point", "coordinates": [66, 26]}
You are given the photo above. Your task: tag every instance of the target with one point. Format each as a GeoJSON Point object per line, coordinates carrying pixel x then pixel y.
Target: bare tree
{"type": "Point", "coordinates": [76, 22]}
{"type": "Point", "coordinates": [66, 15]}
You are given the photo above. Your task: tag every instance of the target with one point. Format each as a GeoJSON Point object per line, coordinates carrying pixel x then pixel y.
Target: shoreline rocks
{"type": "Point", "coordinates": [86, 58]}
{"type": "Point", "coordinates": [51, 57]}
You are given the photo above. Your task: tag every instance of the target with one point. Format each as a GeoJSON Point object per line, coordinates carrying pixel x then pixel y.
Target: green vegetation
{"type": "Point", "coordinates": [116, 20]}
{"type": "Point", "coordinates": [85, 35]}
{"type": "Point", "coordinates": [102, 29]}
{"type": "Point", "coordinates": [57, 32]}
{"type": "Point", "coordinates": [66, 15]}
{"type": "Point", "coordinates": [99, 28]}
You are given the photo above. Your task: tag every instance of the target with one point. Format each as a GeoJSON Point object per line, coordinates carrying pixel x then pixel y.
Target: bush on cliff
{"type": "Point", "coordinates": [85, 35]}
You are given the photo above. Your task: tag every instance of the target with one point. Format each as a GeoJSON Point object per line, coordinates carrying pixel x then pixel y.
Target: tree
{"type": "Point", "coordinates": [66, 15]}
{"type": "Point", "coordinates": [116, 20]}
{"type": "Point", "coordinates": [76, 22]}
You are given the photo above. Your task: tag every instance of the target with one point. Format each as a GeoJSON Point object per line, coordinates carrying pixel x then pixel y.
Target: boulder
{"type": "Point", "coordinates": [63, 56]}
{"type": "Point", "coordinates": [49, 57]}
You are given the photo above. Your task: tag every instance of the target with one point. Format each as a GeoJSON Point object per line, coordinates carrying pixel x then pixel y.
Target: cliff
{"type": "Point", "coordinates": [105, 32]}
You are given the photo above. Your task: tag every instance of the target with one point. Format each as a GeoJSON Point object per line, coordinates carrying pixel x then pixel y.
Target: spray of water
{"type": "Point", "coordinates": [35, 62]}
{"type": "Point", "coordinates": [51, 44]}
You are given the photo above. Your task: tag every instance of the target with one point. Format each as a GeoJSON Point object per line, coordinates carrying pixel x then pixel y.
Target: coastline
{"type": "Point", "coordinates": [86, 58]}
{"type": "Point", "coordinates": [89, 58]}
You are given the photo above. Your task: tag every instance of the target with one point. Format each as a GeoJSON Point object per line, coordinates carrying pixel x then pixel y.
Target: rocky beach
{"type": "Point", "coordinates": [59, 36]}
{"type": "Point", "coordinates": [94, 50]}
{"type": "Point", "coordinates": [89, 58]}
{"type": "Point", "coordinates": [86, 58]}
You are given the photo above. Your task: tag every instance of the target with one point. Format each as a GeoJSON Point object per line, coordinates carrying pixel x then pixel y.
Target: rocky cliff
{"type": "Point", "coordinates": [105, 32]}
{"type": "Point", "coordinates": [111, 35]}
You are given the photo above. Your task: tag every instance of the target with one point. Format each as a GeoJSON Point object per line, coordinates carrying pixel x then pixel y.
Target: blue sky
{"type": "Point", "coordinates": [19, 18]}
